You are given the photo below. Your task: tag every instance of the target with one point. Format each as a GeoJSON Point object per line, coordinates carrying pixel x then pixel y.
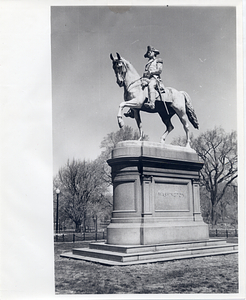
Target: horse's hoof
{"type": "Point", "coordinates": [120, 122]}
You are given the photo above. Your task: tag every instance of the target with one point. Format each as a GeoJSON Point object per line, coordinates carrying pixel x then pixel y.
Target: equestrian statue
{"type": "Point", "coordinates": [147, 93]}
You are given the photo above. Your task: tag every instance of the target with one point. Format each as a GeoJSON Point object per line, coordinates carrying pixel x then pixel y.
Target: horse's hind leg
{"type": "Point", "coordinates": [184, 120]}
{"type": "Point", "coordinates": [169, 126]}
{"type": "Point", "coordinates": [179, 107]}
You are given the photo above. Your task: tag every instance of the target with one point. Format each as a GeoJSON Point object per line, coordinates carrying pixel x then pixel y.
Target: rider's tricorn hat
{"type": "Point", "coordinates": [150, 48]}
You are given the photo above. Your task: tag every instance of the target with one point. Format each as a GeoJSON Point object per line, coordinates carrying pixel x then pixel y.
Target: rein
{"type": "Point", "coordinates": [124, 77]}
{"type": "Point", "coordinates": [132, 82]}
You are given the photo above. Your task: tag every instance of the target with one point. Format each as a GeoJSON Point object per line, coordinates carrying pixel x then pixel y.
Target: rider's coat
{"type": "Point", "coordinates": [154, 67]}
{"type": "Point", "coordinates": [153, 70]}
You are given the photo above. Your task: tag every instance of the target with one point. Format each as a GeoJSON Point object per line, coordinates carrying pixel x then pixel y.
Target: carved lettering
{"type": "Point", "coordinates": [171, 194]}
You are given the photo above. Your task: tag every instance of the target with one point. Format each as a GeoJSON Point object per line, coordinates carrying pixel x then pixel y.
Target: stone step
{"type": "Point", "coordinates": [107, 262]}
{"type": "Point", "coordinates": [149, 255]}
{"type": "Point", "coordinates": [157, 247]}
{"type": "Point", "coordinates": [117, 258]}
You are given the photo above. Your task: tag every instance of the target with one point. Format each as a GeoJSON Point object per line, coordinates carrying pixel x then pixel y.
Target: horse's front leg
{"type": "Point", "coordinates": [134, 103]}
{"type": "Point", "coordinates": [139, 123]}
{"type": "Point", "coordinates": [119, 116]}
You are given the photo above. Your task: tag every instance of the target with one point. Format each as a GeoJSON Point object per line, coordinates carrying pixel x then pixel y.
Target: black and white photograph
{"type": "Point", "coordinates": [123, 150]}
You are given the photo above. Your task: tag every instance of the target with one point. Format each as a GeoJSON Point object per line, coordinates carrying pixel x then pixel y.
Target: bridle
{"type": "Point", "coordinates": [123, 74]}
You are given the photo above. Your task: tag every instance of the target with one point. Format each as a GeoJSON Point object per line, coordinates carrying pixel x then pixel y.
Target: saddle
{"type": "Point", "coordinates": [166, 96]}
{"type": "Point", "coordinates": [162, 92]}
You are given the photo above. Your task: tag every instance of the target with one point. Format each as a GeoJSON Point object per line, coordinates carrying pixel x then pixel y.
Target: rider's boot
{"type": "Point", "coordinates": [151, 103]}
{"type": "Point", "coordinates": [129, 114]}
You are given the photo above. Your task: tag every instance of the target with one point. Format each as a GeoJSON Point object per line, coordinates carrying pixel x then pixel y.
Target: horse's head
{"type": "Point", "coordinates": [120, 69]}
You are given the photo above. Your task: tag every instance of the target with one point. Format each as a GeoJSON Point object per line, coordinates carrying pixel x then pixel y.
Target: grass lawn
{"type": "Point", "coordinates": [214, 274]}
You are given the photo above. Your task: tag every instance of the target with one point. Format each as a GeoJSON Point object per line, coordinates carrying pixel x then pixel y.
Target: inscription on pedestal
{"type": "Point", "coordinates": [172, 197]}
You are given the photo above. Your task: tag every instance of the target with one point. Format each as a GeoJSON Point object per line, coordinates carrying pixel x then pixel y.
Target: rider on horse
{"type": "Point", "coordinates": [151, 78]}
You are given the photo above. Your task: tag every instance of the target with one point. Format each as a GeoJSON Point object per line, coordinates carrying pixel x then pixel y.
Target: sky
{"type": "Point", "coordinates": [197, 45]}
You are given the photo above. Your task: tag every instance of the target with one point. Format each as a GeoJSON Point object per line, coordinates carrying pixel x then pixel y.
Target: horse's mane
{"type": "Point", "coordinates": [130, 66]}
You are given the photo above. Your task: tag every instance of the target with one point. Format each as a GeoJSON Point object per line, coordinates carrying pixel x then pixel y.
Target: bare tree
{"type": "Point", "coordinates": [218, 150]}
{"type": "Point", "coordinates": [81, 185]}
{"type": "Point", "coordinates": [84, 185]}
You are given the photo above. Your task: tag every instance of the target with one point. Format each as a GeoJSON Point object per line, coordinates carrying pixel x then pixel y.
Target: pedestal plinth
{"type": "Point", "coordinates": [156, 195]}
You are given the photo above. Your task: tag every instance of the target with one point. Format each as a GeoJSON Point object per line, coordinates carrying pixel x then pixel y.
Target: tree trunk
{"type": "Point", "coordinates": [212, 216]}
{"type": "Point", "coordinates": [78, 224]}
{"type": "Point", "coordinates": [84, 219]}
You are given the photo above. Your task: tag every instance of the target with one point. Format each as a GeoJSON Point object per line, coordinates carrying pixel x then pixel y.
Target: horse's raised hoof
{"type": "Point", "coordinates": [120, 122]}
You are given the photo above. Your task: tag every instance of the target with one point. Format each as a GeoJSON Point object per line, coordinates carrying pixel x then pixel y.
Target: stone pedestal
{"type": "Point", "coordinates": [156, 195]}
{"type": "Point", "coordinates": [156, 210]}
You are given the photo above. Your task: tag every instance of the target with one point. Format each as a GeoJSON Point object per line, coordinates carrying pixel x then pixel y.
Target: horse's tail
{"type": "Point", "coordinates": [190, 111]}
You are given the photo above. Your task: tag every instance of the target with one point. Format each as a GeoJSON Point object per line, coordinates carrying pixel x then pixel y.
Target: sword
{"type": "Point", "coordinates": [162, 99]}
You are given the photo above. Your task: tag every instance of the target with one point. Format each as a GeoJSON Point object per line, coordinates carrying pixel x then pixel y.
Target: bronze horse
{"type": "Point", "coordinates": [169, 103]}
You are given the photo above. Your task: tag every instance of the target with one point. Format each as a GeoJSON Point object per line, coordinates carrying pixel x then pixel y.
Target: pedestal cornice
{"type": "Point", "coordinates": [155, 154]}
